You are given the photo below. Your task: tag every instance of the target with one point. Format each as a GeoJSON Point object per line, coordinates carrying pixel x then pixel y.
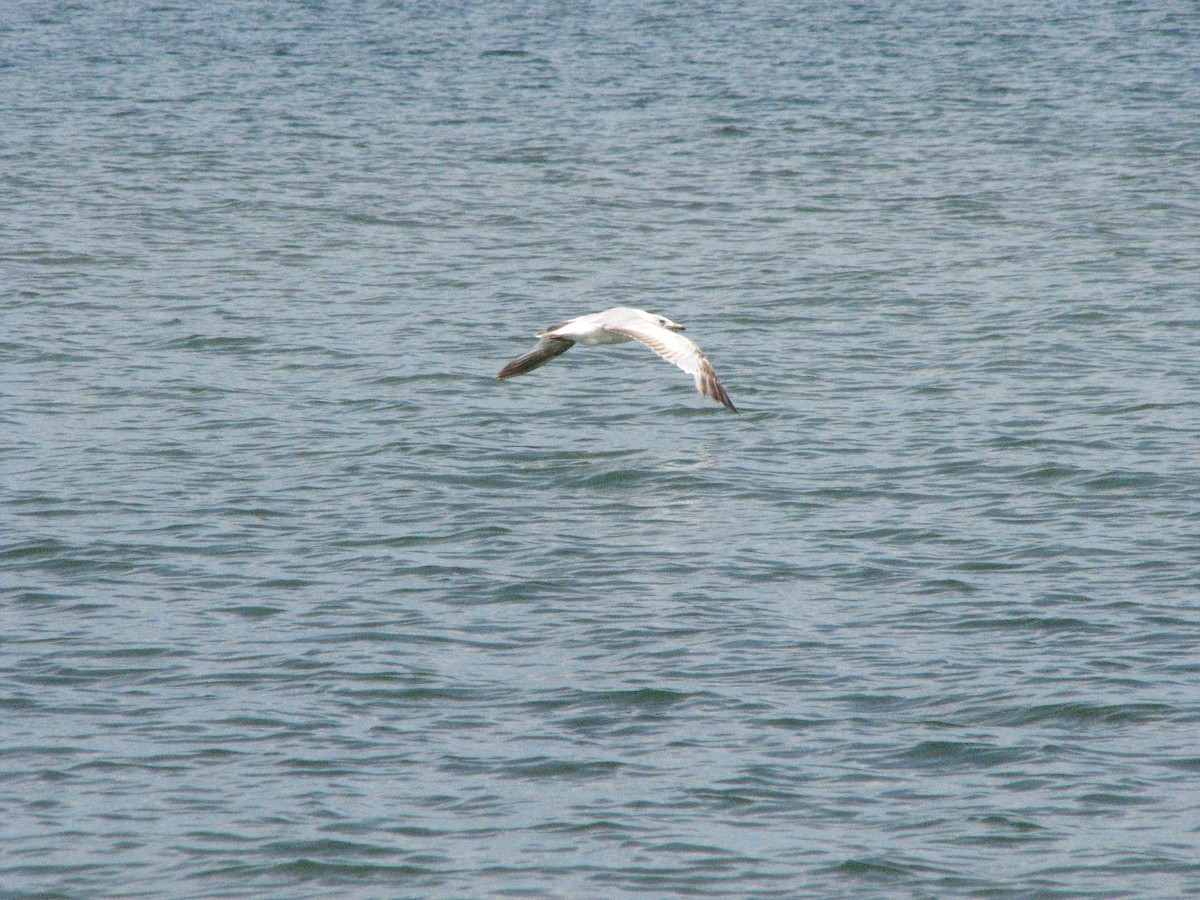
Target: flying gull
{"type": "Point", "coordinates": [616, 326]}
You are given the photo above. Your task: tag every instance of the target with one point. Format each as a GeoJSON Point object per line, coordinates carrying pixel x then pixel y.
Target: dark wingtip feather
{"type": "Point", "coordinates": [546, 350]}
{"type": "Point", "coordinates": [710, 386]}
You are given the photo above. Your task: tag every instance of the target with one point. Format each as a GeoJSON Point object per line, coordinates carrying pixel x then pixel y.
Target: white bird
{"type": "Point", "coordinates": [616, 326]}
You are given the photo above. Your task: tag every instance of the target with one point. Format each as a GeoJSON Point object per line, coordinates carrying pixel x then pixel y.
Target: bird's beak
{"type": "Point", "coordinates": [675, 326]}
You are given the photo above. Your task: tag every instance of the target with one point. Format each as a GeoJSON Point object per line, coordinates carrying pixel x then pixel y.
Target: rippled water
{"type": "Point", "coordinates": [299, 601]}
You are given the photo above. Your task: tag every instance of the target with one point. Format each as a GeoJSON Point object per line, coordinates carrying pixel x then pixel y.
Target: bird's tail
{"type": "Point", "coordinates": [546, 350]}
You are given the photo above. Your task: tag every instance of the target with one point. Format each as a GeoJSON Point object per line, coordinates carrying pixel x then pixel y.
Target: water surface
{"type": "Point", "coordinates": [299, 601]}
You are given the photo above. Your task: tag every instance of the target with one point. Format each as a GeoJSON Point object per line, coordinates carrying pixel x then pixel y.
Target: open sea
{"type": "Point", "coordinates": [298, 601]}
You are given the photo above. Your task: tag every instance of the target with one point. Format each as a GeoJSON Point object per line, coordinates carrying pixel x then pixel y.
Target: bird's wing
{"type": "Point", "coordinates": [674, 347]}
{"type": "Point", "coordinates": [546, 350]}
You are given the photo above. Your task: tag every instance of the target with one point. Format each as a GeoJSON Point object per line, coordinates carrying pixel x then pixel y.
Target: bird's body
{"type": "Point", "coordinates": [617, 326]}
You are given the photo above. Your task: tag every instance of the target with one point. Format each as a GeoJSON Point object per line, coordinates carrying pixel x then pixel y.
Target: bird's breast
{"type": "Point", "coordinates": [600, 336]}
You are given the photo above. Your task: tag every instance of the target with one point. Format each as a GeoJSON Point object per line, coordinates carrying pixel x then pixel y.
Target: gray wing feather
{"type": "Point", "coordinates": [546, 350]}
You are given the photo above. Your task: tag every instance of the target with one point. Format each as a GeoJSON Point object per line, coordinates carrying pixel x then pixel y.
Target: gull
{"type": "Point", "coordinates": [616, 326]}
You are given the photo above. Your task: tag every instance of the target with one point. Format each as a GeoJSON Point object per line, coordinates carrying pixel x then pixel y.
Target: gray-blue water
{"type": "Point", "coordinates": [299, 601]}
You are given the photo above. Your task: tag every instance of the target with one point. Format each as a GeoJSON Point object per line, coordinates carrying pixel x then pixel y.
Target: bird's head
{"type": "Point", "coordinates": [667, 323]}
